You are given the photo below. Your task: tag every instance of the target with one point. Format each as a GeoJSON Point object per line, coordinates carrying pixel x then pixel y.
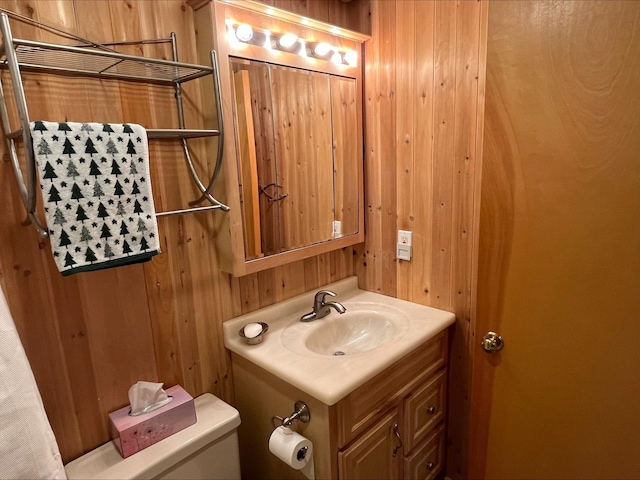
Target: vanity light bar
{"type": "Point", "coordinates": [289, 42]}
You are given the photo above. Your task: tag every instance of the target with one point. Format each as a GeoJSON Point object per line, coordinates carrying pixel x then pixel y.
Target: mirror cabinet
{"type": "Point", "coordinates": [291, 92]}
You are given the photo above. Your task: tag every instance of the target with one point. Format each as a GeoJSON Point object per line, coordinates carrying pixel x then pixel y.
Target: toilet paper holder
{"type": "Point", "coordinates": [301, 413]}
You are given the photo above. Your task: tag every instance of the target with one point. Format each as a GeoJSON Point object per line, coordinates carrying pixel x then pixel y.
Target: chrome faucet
{"type": "Point", "coordinates": [321, 308]}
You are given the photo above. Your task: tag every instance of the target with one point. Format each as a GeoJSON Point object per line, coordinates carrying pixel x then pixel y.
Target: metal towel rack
{"type": "Point", "coordinates": [99, 61]}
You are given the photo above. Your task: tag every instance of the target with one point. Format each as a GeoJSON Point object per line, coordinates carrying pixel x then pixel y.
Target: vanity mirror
{"type": "Point", "coordinates": [297, 156]}
{"type": "Point", "coordinates": [292, 109]}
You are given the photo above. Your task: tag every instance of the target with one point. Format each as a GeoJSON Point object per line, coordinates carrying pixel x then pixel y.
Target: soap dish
{"type": "Point", "coordinates": [253, 332]}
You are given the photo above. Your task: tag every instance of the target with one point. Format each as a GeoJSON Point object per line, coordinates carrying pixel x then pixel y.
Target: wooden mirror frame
{"type": "Point", "coordinates": [210, 18]}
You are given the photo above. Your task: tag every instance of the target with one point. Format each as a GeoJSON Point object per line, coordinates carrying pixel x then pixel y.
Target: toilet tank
{"type": "Point", "coordinates": [208, 449]}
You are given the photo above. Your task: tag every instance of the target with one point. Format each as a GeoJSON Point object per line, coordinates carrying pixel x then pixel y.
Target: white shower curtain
{"type": "Point", "coordinates": [28, 448]}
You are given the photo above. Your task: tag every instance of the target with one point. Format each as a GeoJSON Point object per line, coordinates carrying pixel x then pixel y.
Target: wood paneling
{"type": "Point", "coordinates": [247, 164]}
{"type": "Point", "coordinates": [345, 146]}
{"type": "Point", "coordinates": [376, 260]}
{"type": "Point", "coordinates": [353, 15]}
{"type": "Point", "coordinates": [90, 336]}
{"type": "Point", "coordinates": [424, 82]}
{"type": "Point", "coordinates": [302, 124]}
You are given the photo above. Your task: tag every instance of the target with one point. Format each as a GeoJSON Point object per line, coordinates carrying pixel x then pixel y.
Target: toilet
{"type": "Point", "coordinates": [208, 449]}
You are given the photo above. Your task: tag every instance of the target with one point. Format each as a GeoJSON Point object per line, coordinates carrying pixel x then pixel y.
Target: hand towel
{"type": "Point", "coordinates": [97, 194]}
{"type": "Point", "coordinates": [28, 448]}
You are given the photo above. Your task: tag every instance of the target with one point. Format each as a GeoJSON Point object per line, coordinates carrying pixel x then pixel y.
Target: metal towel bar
{"type": "Point", "coordinates": [99, 61]}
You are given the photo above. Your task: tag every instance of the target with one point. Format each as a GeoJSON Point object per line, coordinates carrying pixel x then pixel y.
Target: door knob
{"type": "Point", "coordinates": [492, 342]}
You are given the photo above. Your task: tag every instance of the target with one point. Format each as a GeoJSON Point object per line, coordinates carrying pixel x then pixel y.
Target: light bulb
{"type": "Point", "coordinates": [322, 49]}
{"type": "Point", "coordinates": [244, 32]}
{"type": "Point", "coordinates": [287, 40]}
{"type": "Point", "coordinates": [336, 58]}
{"type": "Point", "coordinates": [351, 57]}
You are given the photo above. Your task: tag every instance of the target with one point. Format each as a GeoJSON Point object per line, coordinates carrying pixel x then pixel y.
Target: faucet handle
{"type": "Point", "coordinates": [323, 293]}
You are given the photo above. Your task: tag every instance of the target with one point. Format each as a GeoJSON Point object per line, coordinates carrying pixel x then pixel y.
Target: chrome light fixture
{"type": "Point", "coordinates": [238, 33]}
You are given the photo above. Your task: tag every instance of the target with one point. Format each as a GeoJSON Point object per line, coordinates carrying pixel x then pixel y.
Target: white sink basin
{"type": "Point", "coordinates": [363, 328]}
{"type": "Point", "coordinates": [375, 332]}
{"type": "Point", "coordinates": [351, 333]}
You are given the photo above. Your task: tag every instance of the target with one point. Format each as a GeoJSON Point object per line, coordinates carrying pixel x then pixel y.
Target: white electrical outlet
{"type": "Point", "coordinates": [337, 228]}
{"type": "Point", "coordinates": [404, 237]}
{"type": "Point", "coordinates": [403, 248]}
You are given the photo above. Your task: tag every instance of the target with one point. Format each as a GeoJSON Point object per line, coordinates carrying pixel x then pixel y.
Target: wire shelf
{"type": "Point", "coordinates": [99, 61]}
{"type": "Point", "coordinates": [93, 62]}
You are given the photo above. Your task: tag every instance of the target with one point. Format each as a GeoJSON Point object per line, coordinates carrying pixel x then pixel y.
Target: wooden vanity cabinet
{"type": "Point", "coordinates": [401, 410]}
{"type": "Point", "coordinates": [393, 426]}
{"type": "Point", "coordinates": [369, 456]}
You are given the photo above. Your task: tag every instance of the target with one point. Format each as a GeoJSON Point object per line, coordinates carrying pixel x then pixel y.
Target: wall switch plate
{"type": "Point", "coordinates": [403, 252]}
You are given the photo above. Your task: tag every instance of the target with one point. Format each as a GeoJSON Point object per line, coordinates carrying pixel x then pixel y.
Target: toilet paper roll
{"type": "Point", "coordinates": [293, 449]}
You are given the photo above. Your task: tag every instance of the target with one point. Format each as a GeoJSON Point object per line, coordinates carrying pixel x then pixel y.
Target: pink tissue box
{"type": "Point", "coordinates": [132, 434]}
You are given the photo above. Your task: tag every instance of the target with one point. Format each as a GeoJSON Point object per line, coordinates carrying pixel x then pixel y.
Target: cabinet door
{"type": "Point", "coordinates": [375, 454]}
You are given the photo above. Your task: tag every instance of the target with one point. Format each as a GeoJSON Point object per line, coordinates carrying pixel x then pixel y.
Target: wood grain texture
{"type": "Point", "coordinates": [560, 243]}
{"type": "Point", "coordinates": [428, 459]}
{"type": "Point", "coordinates": [365, 405]}
{"type": "Point", "coordinates": [302, 124]}
{"type": "Point", "coordinates": [181, 296]}
{"type": "Point", "coordinates": [376, 259]}
{"type": "Point", "coordinates": [90, 336]}
{"type": "Point", "coordinates": [423, 111]}
{"type": "Point", "coordinates": [370, 455]}
{"type": "Point", "coordinates": [264, 146]}
{"type": "Point", "coordinates": [352, 15]}
{"type": "Point", "coordinates": [345, 146]}
{"type": "Point", "coordinates": [424, 409]}
{"type": "Point", "coordinates": [247, 164]}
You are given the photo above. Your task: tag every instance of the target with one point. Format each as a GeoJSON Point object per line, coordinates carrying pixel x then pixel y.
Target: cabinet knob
{"type": "Point", "coordinates": [431, 410]}
{"type": "Point", "coordinates": [430, 466]}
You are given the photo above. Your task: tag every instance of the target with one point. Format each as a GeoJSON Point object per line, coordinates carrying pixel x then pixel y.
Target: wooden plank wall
{"type": "Point", "coordinates": [307, 211]}
{"type": "Point", "coordinates": [351, 14]}
{"type": "Point", "coordinates": [89, 337]}
{"type": "Point", "coordinates": [424, 94]}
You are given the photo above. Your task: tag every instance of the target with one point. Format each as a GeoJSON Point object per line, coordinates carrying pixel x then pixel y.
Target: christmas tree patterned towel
{"type": "Point", "coordinates": [97, 194]}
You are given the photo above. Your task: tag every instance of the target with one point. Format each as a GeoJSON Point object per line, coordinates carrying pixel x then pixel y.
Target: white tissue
{"type": "Point", "coordinates": [293, 449]}
{"type": "Point", "coordinates": [145, 397]}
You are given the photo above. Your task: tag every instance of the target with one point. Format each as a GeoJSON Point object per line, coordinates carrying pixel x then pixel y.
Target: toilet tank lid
{"type": "Point", "coordinates": [215, 419]}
